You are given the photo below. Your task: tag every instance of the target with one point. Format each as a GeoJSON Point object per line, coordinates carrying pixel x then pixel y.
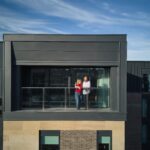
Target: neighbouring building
{"type": "Point", "coordinates": [38, 77]}
{"type": "Point", "coordinates": [138, 105]}
{"type": "Point", "coordinates": [1, 66]}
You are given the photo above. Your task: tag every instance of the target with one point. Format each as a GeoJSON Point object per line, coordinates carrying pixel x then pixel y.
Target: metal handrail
{"type": "Point", "coordinates": [45, 88]}
{"type": "Point", "coordinates": [51, 87]}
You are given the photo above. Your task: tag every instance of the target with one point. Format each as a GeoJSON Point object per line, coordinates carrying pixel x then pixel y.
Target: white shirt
{"type": "Point", "coordinates": [86, 87]}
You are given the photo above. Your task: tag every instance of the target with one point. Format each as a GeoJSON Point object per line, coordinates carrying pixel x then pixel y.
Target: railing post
{"type": "Point", "coordinates": [43, 100]}
{"type": "Point", "coordinates": [65, 98]}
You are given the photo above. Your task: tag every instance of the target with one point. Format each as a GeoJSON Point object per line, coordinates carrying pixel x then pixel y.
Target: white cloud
{"type": "Point", "coordinates": [62, 9]}
{"type": "Point", "coordinates": [11, 22]}
{"type": "Point", "coordinates": [108, 8]}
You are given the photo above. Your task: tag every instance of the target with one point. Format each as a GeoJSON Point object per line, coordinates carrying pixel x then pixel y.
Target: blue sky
{"type": "Point", "coordinates": [131, 17]}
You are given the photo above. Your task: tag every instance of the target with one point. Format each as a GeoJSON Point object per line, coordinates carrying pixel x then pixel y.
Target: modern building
{"type": "Point", "coordinates": [138, 106]}
{"type": "Point", "coordinates": [1, 127]}
{"type": "Point", "coordinates": [38, 77]}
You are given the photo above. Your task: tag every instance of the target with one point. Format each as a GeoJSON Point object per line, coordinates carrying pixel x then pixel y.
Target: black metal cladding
{"type": "Point", "coordinates": [137, 105]}
{"type": "Point", "coordinates": [67, 50]}
{"type": "Point", "coordinates": [135, 70]}
{"type": "Point", "coordinates": [1, 62]}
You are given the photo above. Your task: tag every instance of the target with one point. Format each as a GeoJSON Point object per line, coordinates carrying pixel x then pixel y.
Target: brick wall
{"type": "Point", "coordinates": [78, 140]}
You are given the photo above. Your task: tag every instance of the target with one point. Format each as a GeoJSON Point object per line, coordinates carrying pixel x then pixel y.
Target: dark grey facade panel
{"type": "Point", "coordinates": [1, 67]}
{"type": "Point", "coordinates": [146, 70]}
{"type": "Point", "coordinates": [7, 76]}
{"type": "Point", "coordinates": [67, 63]}
{"type": "Point", "coordinates": [123, 77]}
{"type": "Point", "coordinates": [66, 51]}
{"type": "Point", "coordinates": [146, 64]}
{"type": "Point", "coordinates": [133, 126]}
{"type": "Point", "coordinates": [68, 56]}
{"type": "Point", "coordinates": [0, 83]}
{"type": "Point", "coordinates": [63, 37]}
{"type": "Point", "coordinates": [135, 69]}
{"type": "Point", "coordinates": [135, 107]}
{"type": "Point", "coordinates": [1, 54]}
{"type": "Point", "coordinates": [96, 116]}
{"type": "Point", "coordinates": [114, 88]}
{"type": "Point", "coordinates": [67, 46]}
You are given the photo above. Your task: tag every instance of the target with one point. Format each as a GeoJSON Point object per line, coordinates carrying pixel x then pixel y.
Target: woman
{"type": "Point", "coordinates": [86, 85]}
{"type": "Point", "coordinates": [78, 92]}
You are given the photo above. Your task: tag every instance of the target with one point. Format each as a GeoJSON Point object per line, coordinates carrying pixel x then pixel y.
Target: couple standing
{"type": "Point", "coordinates": [82, 89]}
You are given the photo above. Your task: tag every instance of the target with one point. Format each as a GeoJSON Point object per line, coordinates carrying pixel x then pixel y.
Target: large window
{"type": "Point", "coordinates": [49, 140]}
{"type": "Point", "coordinates": [51, 87]}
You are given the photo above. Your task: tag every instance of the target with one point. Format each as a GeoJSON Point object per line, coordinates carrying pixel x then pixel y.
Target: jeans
{"type": "Point", "coordinates": [86, 100]}
{"type": "Point", "coordinates": [78, 100]}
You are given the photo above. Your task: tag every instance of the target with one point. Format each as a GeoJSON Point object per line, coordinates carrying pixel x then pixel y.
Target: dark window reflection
{"type": "Point", "coordinates": [146, 82]}
{"type": "Point", "coordinates": [32, 98]}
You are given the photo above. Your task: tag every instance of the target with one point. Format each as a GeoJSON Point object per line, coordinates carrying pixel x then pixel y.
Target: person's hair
{"type": "Point", "coordinates": [86, 77]}
{"type": "Point", "coordinates": [79, 80]}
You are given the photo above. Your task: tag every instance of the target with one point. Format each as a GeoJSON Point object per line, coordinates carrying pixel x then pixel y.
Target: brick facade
{"type": "Point", "coordinates": [78, 140]}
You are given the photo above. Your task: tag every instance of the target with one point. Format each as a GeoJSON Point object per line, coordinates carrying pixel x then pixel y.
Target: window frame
{"type": "Point", "coordinates": [101, 133]}
{"type": "Point", "coordinates": [48, 133]}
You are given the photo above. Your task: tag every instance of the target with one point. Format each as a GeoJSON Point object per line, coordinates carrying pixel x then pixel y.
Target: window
{"type": "Point", "coordinates": [144, 107]}
{"type": "Point", "coordinates": [104, 140]}
{"type": "Point", "coordinates": [51, 87]}
{"type": "Point", "coordinates": [144, 134]}
{"type": "Point", "coordinates": [146, 82]}
{"type": "Point", "coordinates": [49, 140]}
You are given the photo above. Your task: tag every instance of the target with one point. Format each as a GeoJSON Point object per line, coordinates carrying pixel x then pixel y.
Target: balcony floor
{"type": "Point", "coordinates": [57, 109]}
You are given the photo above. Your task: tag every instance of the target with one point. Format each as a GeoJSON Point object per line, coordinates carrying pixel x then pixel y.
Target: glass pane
{"type": "Point", "coordinates": [105, 139]}
{"type": "Point", "coordinates": [51, 140]}
{"type": "Point", "coordinates": [103, 88]}
{"type": "Point", "coordinates": [54, 97]}
{"type": "Point", "coordinates": [144, 134]}
{"type": "Point", "coordinates": [144, 107]}
{"type": "Point", "coordinates": [58, 77]}
{"type": "Point", "coordinates": [71, 98]}
{"type": "Point", "coordinates": [32, 98]}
